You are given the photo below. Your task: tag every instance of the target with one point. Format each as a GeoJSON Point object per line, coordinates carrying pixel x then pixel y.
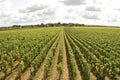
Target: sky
{"type": "Point", "coordinates": [89, 12]}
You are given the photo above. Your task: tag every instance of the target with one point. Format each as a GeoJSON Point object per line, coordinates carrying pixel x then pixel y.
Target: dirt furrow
{"type": "Point", "coordinates": [13, 75]}
{"type": "Point", "coordinates": [107, 78]}
{"type": "Point", "coordinates": [2, 75]}
{"type": "Point", "coordinates": [65, 73]}
{"type": "Point", "coordinates": [40, 73]}
{"type": "Point", "coordinates": [78, 73]}
{"type": "Point", "coordinates": [27, 73]}
{"type": "Point", "coordinates": [93, 77]}
{"type": "Point", "coordinates": [53, 71]}
{"type": "Point", "coordinates": [79, 77]}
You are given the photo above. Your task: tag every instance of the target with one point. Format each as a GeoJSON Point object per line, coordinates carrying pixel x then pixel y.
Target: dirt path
{"type": "Point", "coordinates": [78, 73]}
{"type": "Point", "coordinates": [79, 77]}
{"type": "Point", "coordinates": [27, 73]}
{"type": "Point", "coordinates": [9, 70]}
{"type": "Point", "coordinates": [107, 78]}
{"type": "Point", "coordinates": [1, 75]}
{"type": "Point", "coordinates": [93, 77]}
{"type": "Point", "coordinates": [65, 73]}
{"type": "Point", "coordinates": [119, 78]}
{"type": "Point", "coordinates": [40, 74]}
{"type": "Point", "coordinates": [53, 70]}
{"type": "Point", "coordinates": [13, 75]}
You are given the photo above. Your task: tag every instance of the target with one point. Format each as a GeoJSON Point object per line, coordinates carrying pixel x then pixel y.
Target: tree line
{"type": "Point", "coordinates": [41, 25]}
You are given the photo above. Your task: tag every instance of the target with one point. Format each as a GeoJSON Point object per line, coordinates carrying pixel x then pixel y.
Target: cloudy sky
{"type": "Point", "coordinates": [92, 12]}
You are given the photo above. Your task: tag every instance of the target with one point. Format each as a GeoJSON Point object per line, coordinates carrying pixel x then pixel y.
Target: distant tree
{"type": "Point", "coordinates": [16, 26]}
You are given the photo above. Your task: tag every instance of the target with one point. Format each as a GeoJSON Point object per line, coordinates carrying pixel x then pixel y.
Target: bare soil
{"type": "Point", "coordinates": [65, 73]}
{"type": "Point", "coordinates": [93, 77]}
{"type": "Point", "coordinates": [9, 70]}
{"type": "Point", "coordinates": [79, 77]}
{"type": "Point", "coordinates": [53, 70]}
{"type": "Point", "coordinates": [26, 75]}
{"type": "Point", "coordinates": [13, 75]}
{"type": "Point", "coordinates": [107, 78]}
{"type": "Point", "coordinates": [40, 73]}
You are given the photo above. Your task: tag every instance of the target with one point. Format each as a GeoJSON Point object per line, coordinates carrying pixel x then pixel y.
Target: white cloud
{"type": "Point", "coordinates": [91, 16]}
{"type": "Point", "coordinates": [74, 2]}
{"type": "Point", "coordinates": [33, 8]}
{"type": "Point", "coordinates": [93, 8]}
{"type": "Point", "coordinates": [102, 12]}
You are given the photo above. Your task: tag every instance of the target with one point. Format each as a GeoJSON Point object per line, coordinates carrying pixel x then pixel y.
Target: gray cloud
{"type": "Point", "coordinates": [2, 0]}
{"type": "Point", "coordinates": [49, 12]}
{"type": "Point", "coordinates": [117, 9]}
{"type": "Point", "coordinates": [2, 15]}
{"type": "Point", "coordinates": [33, 8]}
{"type": "Point", "coordinates": [23, 19]}
{"type": "Point", "coordinates": [114, 20]}
{"type": "Point", "coordinates": [91, 16]}
{"type": "Point", "coordinates": [74, 2]}
{"type": "Point", "coordinates": [5, 17]}
{"type": "Point", "coordinates": [40, 15]}
{"type": "Point", "coordinates": [93, 8]}
{"type": "Point", "coordinates": [68, 17]}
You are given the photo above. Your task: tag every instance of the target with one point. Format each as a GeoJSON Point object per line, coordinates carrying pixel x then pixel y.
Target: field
{"type": "Point", "coordinates": [71, 53]}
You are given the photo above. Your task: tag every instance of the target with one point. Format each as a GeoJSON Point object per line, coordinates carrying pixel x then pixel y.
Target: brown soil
{"type": "Point", "coordinates": [9, 70]}
{"type": "Point", "coordinates": [107, 78]}
{"type": "Point", "coordinates": [119, 78]}
{"type": "Point", "coordinates": [13, 75]}
{"type": "Point", "coordinates": [78, 74]}
{"type": "Point", "coordinates": [93, 77]}
{"type": "Point", "coordinates": [26, 74]}
{"type": "Point", "coordinates": [65, 73]}
{"type": "Point", "coordinates": [53, 70]}
{"type": "Point", "coordinates": [79, 77]}
{"type": "Point", "coordinates": [40, 73]}
{"type": "Point", "coordinates": [1, 75]}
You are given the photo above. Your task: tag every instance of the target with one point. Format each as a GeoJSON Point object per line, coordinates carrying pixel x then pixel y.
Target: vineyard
{"type": "Point", "coordinates": [71, 53]}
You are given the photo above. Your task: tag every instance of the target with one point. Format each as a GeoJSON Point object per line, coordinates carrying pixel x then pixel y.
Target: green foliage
{"type": "Point", "coordinates": [93, 50]}
{"type": "Point", "coordinates": [59, 68]}
{"type": "Point", "coordinates": [96, 50]}
{"type": "Point", "coordinates": [27, 46]}
{"type": "Point", "coordinates": [5, 66]}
